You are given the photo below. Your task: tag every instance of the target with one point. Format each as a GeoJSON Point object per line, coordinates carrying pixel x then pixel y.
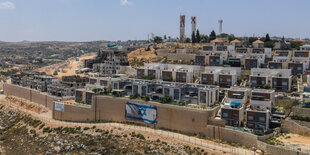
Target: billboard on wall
{"type": "Point", "coordinates": [141, 112]}
{"type": "Point", "coordinates": [59, 106]}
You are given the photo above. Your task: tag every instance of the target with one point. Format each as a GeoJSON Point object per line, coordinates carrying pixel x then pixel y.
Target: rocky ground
{"type": "Point", "coordinates": [21, 134]}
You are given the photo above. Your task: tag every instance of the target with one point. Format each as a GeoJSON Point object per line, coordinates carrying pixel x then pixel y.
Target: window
{"type": "Point", "coordinates": [235, 115]}
{"type": "Point", "coordinates": [225, 115]}
{"type": "Point", "coordinates": [250, 118]}
{"type": "Point", "coordinates": [115, 86]}
{"type": "Point", "coordinates": [166, 91]}
{"type": "Point", "coordinates": [262, 119]}
{"type": "Point", "coordinates": [135, 89]}
{"type": "Point", "coordinates": [299, 68]}
{"type": "Point", "coordinates": [228, 79]}
{"type": "Point", "coordinates": [143, 91]}
{"type": "Point", "coordinates": [176, 94]}
{"type": "Point", "coordinates": [204, 78]}
{"type": "Point", "coordinates": [284, 83]}
{"type": "Point", "coordinates": [203, 97]}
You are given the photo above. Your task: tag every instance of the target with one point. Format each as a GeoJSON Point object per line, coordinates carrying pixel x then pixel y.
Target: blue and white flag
{"type": "Point", "coordinates": [140, 112]}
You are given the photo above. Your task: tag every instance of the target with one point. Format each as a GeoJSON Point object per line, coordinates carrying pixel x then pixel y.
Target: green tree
{"type": "Point", "coordinates": [193, 37]}
{"type": "Point", "coordinates": [166, 99]}
{"type": "Point", "coordinates": [198, 38]}
{"type": "Point", "coordinates": [212, 35]}
{"type": "Point", "coordinates": [231, 37]}
{"type": "Point", "coordinates": [187, 40]}
{"type": "Point", "coordinates": [267, 86]}
{"type": "Point", "coordinates": [252, 39]}
{"type": "Point", "coordinates": [204, 38]}
{"type": "Point", "coordinates": [267, 38]}
{"type": "Point", "coordinates": [269, 44]}
{"type": "Point", "coordinates": [296, 45]}
{"type": "Point", "coordinates": [158, 39]}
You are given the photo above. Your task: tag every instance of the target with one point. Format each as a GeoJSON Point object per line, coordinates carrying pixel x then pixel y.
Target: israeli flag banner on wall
{"type": "Point", "coordinates": [140, 112]}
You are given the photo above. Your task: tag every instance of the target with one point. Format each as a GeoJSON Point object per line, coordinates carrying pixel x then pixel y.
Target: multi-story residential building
{"type": "Point", "coordinates": [169, 72]}
{"type": "Point", "coordinates": [223, 76]}
{"type": "Point", "coordinates": [258, 44]}
{"type": "Point", "coordinates": [236, 43]}
{"type": "Point", "coordinates": [217, 42]}
{"type": "Point", "coordinates": [233, 109]}
{"type": "Point", "coordinates": [22, 78]}
{"type": "Point", "coordinates": [258, 114]}
{"type": "Point", "coordinates": [266, 51]}
{"type": "Point", "coordinates": [254, 61]}
{"type": "Point", "coordinates": [108, 61]}
{"type": "Point", "coordinates": [156, 90]}
{"type": "Point", "coordinates": [280, 60]}
{"type": "Point", "coordinates": [215, 60]}
{"type": "Point", "coordinates": [305, 47]}
{"type": "Point", "coordinates": [200, 60]}
{"type": "Point", "coordinates": [67, 86]}
{"type": "Point", "coordinates": [296, 67]}
{"type": "Point", "coordinates": [300, 62]}
{"type": "Point", "coordinates": [280, 79]}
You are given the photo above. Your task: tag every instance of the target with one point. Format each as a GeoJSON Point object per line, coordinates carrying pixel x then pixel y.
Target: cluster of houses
{"type": "Point", "coordinates": [216, 79]}
{"type": "Point", "coordinates": [49, 84]}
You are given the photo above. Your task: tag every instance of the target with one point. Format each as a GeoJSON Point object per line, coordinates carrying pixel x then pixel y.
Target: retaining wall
{"type": "Point", "coordinates": [291, 126]}
{"type": "Point", "coordinates": [231, 135]}
{"type": "Point", "coordinates": [305, 112]}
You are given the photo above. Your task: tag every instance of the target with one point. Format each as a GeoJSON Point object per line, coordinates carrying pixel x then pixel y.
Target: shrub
{"type": "Point", "coordinates": [41, 126]}
{"type": "Point", "coordinates": [146, 98]}
{"type": "Point", "coordinates": [141, 136]}
{"type": "Point", "coordinates": [134, 96]}
{"type": "Point", "coordinates": [47, 129]}
{"type": "Point", "coordinates": [166, 99]}
{"type": "Point", "coordinates": [267, 86]}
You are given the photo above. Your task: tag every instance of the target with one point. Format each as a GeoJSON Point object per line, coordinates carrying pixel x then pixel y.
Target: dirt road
{"type": "Point", "coordinates": [170, 137]}
{"type": "Point", "coordinates": [66, 68]}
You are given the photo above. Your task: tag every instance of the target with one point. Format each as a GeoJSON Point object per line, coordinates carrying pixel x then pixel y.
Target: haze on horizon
{"type": "Point", "coordinates": [81, 20]}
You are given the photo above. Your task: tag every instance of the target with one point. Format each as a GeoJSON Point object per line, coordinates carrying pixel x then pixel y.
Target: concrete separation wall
{"type": "Point", "coordinates": [74, 113]}
{"type": "Point", "coordinates": [188, 120]}
{"type": "Point", "coordinates": [30, 94]}
{"type": "Point", "coordinates": [170, 117]}
{"type": "Point", "coordinates": [21, 92]}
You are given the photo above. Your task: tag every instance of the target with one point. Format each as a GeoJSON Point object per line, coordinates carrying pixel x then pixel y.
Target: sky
{"type": "Point", "coordinates": [89, 20]}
